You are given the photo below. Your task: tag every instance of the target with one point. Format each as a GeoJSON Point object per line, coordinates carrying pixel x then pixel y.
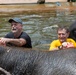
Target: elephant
{"type": "Point", "coordinates": [19, 61]}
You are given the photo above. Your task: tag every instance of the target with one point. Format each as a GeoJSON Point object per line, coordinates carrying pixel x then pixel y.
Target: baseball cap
{"type": "Point", "coordinates": [18, 20]}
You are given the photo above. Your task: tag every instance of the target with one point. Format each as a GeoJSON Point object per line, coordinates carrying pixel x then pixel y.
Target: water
{"type": "Point", "coordinates": [40, 21]}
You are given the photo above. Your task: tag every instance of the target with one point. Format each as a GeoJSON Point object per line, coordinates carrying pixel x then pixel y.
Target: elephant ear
{"type": "Point", "coordinates": [72, 30]}
{"type": "Point", "coordinates": [73, 34]}
{"type": "Point", "coordinates": [72, 26]}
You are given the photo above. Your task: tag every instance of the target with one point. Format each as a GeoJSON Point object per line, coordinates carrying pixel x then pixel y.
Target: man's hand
{"type": "Point", "coordinates": [2, 42]}
{"type": "Point", "coordinates": [67, 45]}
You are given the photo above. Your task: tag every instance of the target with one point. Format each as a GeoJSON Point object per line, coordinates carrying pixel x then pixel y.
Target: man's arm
{"type": "Point", "coordinates": [17, 42]}
{"type": "Point", "coordinates": [53, 46]}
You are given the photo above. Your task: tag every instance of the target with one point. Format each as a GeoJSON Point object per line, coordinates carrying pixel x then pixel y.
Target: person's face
{"type": "Point", "coordinates": [62, 35]}
{"type": "Point", "coordinates": [16, 27]}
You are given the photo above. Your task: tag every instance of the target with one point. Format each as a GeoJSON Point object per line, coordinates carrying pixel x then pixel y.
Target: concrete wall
{"type": "Point", "coordinates": [55, 0]}
{"type": "Point", "coordinates": [27, 1]}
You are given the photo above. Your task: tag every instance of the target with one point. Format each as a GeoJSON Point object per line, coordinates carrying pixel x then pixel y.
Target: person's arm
{"type": "Point", "coordinates": [17, 42]}
{"type": "Point", "coordinates": [74, 43]}
{"type": "Point", "coordinates": [53, 46]}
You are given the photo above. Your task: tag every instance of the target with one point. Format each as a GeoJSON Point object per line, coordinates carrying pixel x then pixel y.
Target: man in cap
{"type": "Point", "coordinates": [16, 37]}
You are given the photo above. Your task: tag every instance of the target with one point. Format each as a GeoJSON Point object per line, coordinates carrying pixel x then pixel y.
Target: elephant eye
{"type": "Point", "coordinates": [74, 32]}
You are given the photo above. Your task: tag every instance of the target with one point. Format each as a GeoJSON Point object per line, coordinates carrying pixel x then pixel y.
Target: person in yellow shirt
{"type": "Point", "coordinates": [63, 41]}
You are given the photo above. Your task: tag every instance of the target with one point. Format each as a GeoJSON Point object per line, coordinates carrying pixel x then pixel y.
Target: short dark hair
{"type": "Point", "coordinates": [63, 27]}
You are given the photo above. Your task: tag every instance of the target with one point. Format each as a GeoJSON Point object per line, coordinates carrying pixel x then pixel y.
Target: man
{"type": "Point", "coordinates": [63, 41]}
{"type": "Point", "coordinates": [16, 37]}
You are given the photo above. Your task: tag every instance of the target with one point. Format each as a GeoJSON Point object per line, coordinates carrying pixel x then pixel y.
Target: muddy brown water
{"type": "Point", "coordinates": [40, 21]}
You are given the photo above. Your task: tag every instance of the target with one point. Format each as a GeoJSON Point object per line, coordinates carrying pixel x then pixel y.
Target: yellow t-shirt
{"type": "Point", "coordinates": [57, 43]}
